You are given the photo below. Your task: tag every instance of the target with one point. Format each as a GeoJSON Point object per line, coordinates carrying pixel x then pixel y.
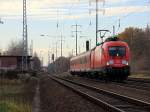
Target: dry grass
{"type": "Point", "coordinates": [16, 95]}
{"type": "Point", "coordinates": [145, 75]}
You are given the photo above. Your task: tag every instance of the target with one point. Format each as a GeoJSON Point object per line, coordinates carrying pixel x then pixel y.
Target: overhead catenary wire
{"type": "Point", "coordinates": [122, 18]}
{"type": "Point", "coordinates": [52, 13]}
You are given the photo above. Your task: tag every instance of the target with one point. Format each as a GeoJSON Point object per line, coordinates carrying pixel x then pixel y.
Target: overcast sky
{"type": "Point", "coordinates": [45, 15]}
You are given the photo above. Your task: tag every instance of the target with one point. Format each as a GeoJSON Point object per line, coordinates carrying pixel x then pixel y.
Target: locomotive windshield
{"type": "Point", "coordinates": [117, 51]}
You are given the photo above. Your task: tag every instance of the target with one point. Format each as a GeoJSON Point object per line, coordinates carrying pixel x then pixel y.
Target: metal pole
{"type": "Point", "coordinates": [49, 61]}
{"type": "Point", "coordinates": [1, 22]}
{"type": "Point", "coordinates": [72, 52]}
{"type": "Point", "coordinates": [113, 30]}
{"type": "Point", "coordinates": [96, 20]}
{"type": "Point", "coordinates": [79, 49]}
{"type": "Point", "coordinates": [90, 44]}
{"type": "Point", "coordinates": [25, 39]}
{"type": "Point", "coordinates": [76, 40]}
{"type": "Point", "coordinates": [56, 50]}
{"type": "Point", "coordinates": [61, 45]}
{"type": "Point", "coordinates": [42, 61]}
{"type": "Point", "coordinates": [76, 31]}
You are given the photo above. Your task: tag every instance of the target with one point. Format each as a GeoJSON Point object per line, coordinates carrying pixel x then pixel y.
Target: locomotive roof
{"type": "Point", "coordinates": [105, 44]}
{"type": "Point", "coordinates": [109, 43]}
{"type": "Point", "coordinates": [81, 54]}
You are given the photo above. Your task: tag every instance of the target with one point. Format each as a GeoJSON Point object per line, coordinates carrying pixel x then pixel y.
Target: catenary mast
{"type": "Point", "coordinates": [25, 38]}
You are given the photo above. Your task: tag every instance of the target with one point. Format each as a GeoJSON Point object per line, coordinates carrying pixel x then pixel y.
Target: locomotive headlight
{"type": "Point", "coordinates": [107, 63]}
{"type": "Point", "coordinates": [125, 62]}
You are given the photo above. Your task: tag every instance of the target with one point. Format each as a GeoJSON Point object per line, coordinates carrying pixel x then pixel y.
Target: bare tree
{"type": "Point", "coordinates": [138, 40]}
{"type": "Point", "coordinates": [36, 63]}
{"type": "Point", "coordinates": [15, 48]}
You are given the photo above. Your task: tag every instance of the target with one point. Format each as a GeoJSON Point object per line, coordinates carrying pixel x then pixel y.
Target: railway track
{"type": "Point", "coordinates": [139, 80]}
{"type": "Point", "coordinates": [138, 84]}
{"type": "Point", "coordinates": [110, 101]}
{"type": "Point", "coordinates": [135, 83]}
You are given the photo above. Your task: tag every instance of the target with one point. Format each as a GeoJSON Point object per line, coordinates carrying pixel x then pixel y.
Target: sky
{"type": "Point", "coordinates": [53, 18]}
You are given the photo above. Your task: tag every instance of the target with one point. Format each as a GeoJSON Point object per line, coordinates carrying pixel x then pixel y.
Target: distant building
{"type": "Point", "coordinates": [10, 63]}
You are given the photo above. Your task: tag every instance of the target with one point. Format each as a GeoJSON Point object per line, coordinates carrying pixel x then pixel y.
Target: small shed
{"type": "Point", "coordinates": [9, 63]}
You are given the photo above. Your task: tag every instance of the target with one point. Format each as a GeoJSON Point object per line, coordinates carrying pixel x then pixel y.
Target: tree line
{"type": "Point", "coordinates": [138, 40]}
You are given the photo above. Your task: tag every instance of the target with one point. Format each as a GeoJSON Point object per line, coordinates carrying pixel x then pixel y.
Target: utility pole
{"type": "Point", "coordinates": [25, 38]}
{"type": "Point", "coordinates": [49, 54]}
{"type": "Point", "coordinates": [148, 22]}
{"type": "Point", "coordinates": [56, 50]}
{"type": "Point", "coordinates": [31, 48]}
{"type": "Point", "coordinates": [76, 31]}
{"type": "Point", "coordinates": [61, 45]}
{"type": "Point", "coordinates": [61, 40]}
{"type": "Point", "coordinates": [96, 20]}
{"type": "Point", "coordinates": [1, 22]}
{"type": "Point", "coordinates": [90, 43]}
{"type": "Point", "coordinates": [113, 30]}
{"type": "Point", "coordinates": [97, 16]}
{"type": "Point", "coordinates": [41, 57]}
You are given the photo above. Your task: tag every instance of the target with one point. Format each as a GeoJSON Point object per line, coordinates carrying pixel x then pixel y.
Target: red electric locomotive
{"type": "Point", "coordinates": [109, 60]}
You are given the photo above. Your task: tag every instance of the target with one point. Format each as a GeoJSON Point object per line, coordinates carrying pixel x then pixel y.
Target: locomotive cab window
{"type": "Point", "coordinates": [117, 51]}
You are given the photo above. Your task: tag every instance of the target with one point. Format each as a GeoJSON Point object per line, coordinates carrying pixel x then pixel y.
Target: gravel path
{"type": "Point", "coordinates": [57, 98]}
{"type": "Point", "coordinates": [36, 100]}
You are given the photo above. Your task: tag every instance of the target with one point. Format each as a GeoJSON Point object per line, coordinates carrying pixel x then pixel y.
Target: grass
{"type": "Point", "coordinates": [15, 96]}
{"type": "Point", "coordinates": [12, 106]}
{"type": "Point", "coordinates": [7, 106]}
{"type": "Point", "coordinates": [141, 75]}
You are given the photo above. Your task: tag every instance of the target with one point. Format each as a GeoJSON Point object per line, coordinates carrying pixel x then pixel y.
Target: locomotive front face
{"type": "Point", "coordinates": [117, 64]}
{"type": "Point", "coordinates": [118, 56]}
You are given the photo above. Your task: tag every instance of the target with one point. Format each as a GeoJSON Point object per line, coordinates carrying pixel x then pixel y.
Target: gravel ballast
{"type": "Point", "coordinates": [127, 91]}
{"type": "Point", "coordinates": [57, 98]}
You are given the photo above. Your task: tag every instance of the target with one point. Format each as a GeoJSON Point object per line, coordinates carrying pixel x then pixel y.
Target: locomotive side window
{"type": "Point", "coordinates": [117, 51]}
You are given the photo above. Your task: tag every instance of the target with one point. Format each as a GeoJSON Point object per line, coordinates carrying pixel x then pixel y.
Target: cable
{"type": "Point", "coordinates": [121, 18]}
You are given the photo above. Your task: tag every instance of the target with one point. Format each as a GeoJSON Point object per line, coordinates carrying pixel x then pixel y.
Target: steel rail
{"type": "Point", "coordinates": [104, 105]}
{"type": "Point", "coordinates": [141, 85]}
{"type": "Point", "coordinates": [144, 80]}
{"type": "Point", "coordinates": [126, 84]}
{"type": "Point", "coordinates": [122, 97]}
{"type": "Point", "coordinates": [138, 80]}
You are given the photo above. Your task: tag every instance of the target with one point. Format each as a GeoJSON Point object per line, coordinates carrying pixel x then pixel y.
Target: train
{"type": "Point", "coordinates": [109, 60]}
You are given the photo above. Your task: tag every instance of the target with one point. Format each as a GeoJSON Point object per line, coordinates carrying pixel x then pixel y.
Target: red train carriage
{"type": "Point", "coordinates": [109, 60]}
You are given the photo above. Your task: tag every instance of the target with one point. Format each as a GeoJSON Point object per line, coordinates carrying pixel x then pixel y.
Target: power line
{"type": "Point", "coordinates": [97, 16]}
